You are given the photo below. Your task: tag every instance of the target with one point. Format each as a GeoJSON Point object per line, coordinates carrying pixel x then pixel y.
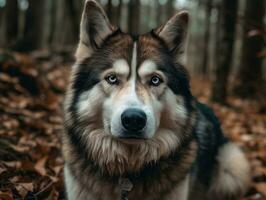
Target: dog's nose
{"type": "Point", "coordinates": [133, 119]}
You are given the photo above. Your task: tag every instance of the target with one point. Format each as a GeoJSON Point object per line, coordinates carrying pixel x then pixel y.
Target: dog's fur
{"type": "Point", "coordinates": [182, 153]}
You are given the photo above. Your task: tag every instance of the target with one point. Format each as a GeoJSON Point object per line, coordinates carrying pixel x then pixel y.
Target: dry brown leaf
{"type": "Point", "coordinates": [24, 188]}
{"type": "Point", "coordinates": [57, 169]}
{"type": "Point", "coordinates": [261, 187]}
{"type": "Point", "coordinates": [2, 170]}
{"type": "Point", "coordinates": [20, 148]}
{"type": "Point", "coordinates": [40, 166]}
{"type": "Point", "coordinates": [54, 195]}
{"type": "Point", "coordinates": [13, 164]}
{"type": "Point", "coordinates": [6, 195]}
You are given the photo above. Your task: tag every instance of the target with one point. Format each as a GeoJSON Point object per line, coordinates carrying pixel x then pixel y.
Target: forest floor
{"type": "Point", "coordinates": [31, 93]}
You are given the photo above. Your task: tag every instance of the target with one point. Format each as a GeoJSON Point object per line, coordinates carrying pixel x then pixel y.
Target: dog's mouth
{"type": "Point", "coordinates": [132, 137]}
{"type": "Point", "coordinates": [128, 137]}
{"type": "Point", "coordinates": [131, 141]}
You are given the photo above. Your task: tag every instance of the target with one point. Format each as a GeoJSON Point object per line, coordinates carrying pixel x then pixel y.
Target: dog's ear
{"type": "Point", "coordinates": [94, 29]}
{"type": "Point", "coordinates": [173, 32]}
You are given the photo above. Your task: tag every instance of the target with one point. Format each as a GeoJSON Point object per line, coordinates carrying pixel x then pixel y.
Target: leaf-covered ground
{"type": "Point", "coordinates": [31, 94]}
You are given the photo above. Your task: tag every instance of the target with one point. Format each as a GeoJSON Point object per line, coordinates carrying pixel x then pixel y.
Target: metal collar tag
{"type": "Point", "coordinates": [125, 187]}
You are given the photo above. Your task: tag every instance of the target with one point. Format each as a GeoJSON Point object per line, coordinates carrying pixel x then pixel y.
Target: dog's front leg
{"type": "Point", "coordinates": [73, 190]}
{"type": "Point", "coordinates": [180, 192]}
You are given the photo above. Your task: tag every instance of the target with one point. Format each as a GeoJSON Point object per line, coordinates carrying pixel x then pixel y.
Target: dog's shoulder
{"type": "Point", "coordinates": [208, 128]}
{"type": "Point", "coordinates": [209, 137]}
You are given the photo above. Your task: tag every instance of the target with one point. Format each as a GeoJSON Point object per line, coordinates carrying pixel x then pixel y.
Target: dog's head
{"type": "Point", "coordinates": [130, 89]}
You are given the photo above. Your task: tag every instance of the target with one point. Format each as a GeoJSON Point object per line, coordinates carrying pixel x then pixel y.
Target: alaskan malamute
{"type": "Point", "coordinates": [133, 130]}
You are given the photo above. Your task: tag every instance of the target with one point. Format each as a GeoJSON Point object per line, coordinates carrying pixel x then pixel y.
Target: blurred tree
{"type": "Point", "coordinates": [133, 16]}
{"type": "Point", "coordinates": [52, 21]}
{"type": "Point", "coordinates": [11, 22]}
{"type": "Point", "coordinates": [159, 13]}
{"type": "Point", "coordinates": [250, 75]}
{"type": "Point", "coordinates": [74, 15]}
{"type": "Point", "coordinates": [1, 14]}
{"type": "Point", "coordinates": [33, 33]}
{"type": "Point", "coordinates": [227, 23]}
{"type": "Point", "coordinates": [109, 9]}
{"type": "Point", "coordinates": [114, 11]}
{"type": "Point", "coordinates": [208, 8]}
{"type": "Point", "coordinates": [170, 7]}
{"type": "Point", "coordinates": [66, 32]}
{"type": "Point", "coordinates": [118, 12]}
{"type": "Point", "coordinates": [57, 35]}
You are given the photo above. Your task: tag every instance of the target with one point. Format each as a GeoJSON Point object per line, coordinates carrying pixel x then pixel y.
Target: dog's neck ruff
{"type": "Point", "coordinates": [125, 186]}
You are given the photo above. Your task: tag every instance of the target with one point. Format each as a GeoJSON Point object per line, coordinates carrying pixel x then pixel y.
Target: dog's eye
{"type": "Point", "coordinates": [156, 81]}
{"type": "Point", "coordinates": [112, 80]}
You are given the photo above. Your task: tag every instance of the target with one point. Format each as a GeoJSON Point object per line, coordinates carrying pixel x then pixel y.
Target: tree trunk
{"type": "Point", "coordinates": [225, 43]}
{"type": "Point", "coordinates": [2, 27]}
{"type": "Point", "coordinates": [33, 34]}
{"type": "Point", "coordinates": [1, 15]}
{"type": "Point", "coordinates": [170, 8]}
{"type": "Point", "coordinates": [57, 38]}
{"type": "Point", "coordinates": [109, 10]}
{"type": "Point", "coordinates": [74, 16]}
{"type": "Point", "coordinates": [204, 67]}
{"type": "Point", "coordinates": [66, 38]}
{"type": "Point", "coordinates": [133, 16]}
{"type": "Point", "coordinates": [159, 14]}
{"type": "Point", "coordinates": [11, 22]}
{"type": "Point", "coordinates": [53, 5]}
{"type": "Point", "coordinates": [118, 13]}
{"type": "Point", "coordinates": [249, 77]}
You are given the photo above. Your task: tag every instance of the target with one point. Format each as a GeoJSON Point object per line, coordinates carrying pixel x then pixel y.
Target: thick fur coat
{"type": "Point", "coordinates": [169, 146]}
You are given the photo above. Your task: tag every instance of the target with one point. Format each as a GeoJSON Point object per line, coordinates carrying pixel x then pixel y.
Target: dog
{"type": "Point", "coordinates": [132, 128]}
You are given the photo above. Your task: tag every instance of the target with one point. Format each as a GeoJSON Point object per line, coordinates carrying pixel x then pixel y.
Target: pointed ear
{"type": "Point", "coordinates": [94, 29]}
{"type": "Point", "coordinates": [174, 31]}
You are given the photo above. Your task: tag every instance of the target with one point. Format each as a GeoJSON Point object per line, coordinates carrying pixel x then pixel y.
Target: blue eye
{"type": "Point", "coordinates": [112, 80]}
{"type": "Point", "coordinates": [156, 81]}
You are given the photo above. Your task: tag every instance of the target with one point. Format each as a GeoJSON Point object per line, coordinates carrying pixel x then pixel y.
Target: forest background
{"type": "Point", "coordinates": [225, 55]}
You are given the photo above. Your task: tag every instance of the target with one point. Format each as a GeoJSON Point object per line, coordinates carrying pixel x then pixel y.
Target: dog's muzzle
{"type": "Point", "coordinates": [133, 121]}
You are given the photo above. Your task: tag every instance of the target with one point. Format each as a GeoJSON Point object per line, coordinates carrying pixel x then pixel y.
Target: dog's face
{"type": "Point", "coordinates": [132, 107]}
{"type": "Point", "coordinates": [129, 88]}
{"type": "Point", "coordinates": [136, 87]}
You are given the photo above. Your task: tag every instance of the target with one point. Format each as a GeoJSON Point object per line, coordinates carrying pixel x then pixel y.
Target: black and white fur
{"type": "Point", "coordinates": [179, 154]}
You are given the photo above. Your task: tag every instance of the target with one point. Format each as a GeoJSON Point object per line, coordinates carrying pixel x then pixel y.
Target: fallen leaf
{"type": "Point", "coordinates": [40, 166]}
{"type": "Point", "coordinates": [54, 195]}
{"type": "Point", "coordinates": [24, 188]}
{"type": "Point", "coordinates": [261, 187]}
{"type": "Point", "coordinates": [6, 195]}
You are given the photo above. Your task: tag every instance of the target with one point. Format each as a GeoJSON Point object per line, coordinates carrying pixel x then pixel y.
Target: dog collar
{"type": "Point", "coordinates": [125, 187]}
